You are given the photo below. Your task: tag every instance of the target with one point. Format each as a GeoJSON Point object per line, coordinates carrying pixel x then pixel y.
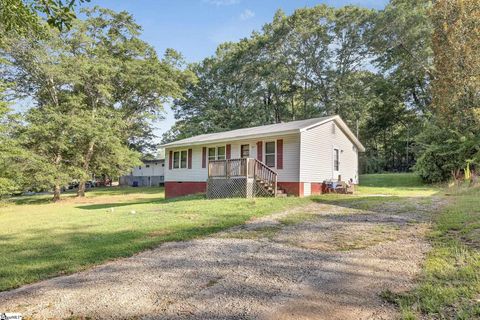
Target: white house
{"type": "Point", "coordinates": [294, 157]}
{"type": "Point", "coordinates": [149, 173]}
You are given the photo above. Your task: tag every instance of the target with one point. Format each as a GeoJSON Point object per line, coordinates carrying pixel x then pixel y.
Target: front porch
{"type": "Point", "coordinates": [241, 178]}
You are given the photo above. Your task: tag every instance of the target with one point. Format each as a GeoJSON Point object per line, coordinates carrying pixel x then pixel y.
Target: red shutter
{"type": "Point", "coordinates": [259, 151]}
{"type": "Point", "coordinates": [189, 158]}
{"type": "Point", "coordinates": [204, 157]}
{"type": "Point", "coordinates": [170, 159]}
{"type": "Point", "coordinates": [228, 151]}
{"type": "Point", "coordinates": [280, 154]}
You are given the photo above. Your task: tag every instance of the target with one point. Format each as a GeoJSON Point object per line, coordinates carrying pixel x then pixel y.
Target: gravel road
{"type": "Point", "coordinates": [332, 265]}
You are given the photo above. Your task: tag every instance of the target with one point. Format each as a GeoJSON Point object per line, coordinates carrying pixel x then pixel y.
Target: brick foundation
{"type": "Point", "coordinates": [182, 188]}
{"type": "Point", "coordinates": [292, 188]}
{"type": "Point", "coordinates": [317, 188]}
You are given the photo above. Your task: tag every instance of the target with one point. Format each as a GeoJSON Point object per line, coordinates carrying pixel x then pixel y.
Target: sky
{"type": "Point", "coordinates": [196, 27]}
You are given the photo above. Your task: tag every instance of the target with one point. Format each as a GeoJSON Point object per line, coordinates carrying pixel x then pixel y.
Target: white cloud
{"type": "Point", "coordinates": [247, 14]}
{"type": "Point", "coordinates": [222, 2]}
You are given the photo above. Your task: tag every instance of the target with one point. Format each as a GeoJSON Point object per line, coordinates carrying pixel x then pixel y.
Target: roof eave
{"type": "Point", "coordinates": [213, 141]}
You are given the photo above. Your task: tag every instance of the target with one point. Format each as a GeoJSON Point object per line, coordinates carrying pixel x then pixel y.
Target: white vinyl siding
{"type": "Point", "coordinates": [153, 169]}
{"type": "Point", "coordinates": [291, 158]}
{"type": "Point", "coordinates": [317, 154]}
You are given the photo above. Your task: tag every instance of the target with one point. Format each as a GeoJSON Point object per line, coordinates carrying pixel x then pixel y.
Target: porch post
{"type": "Point", "coordinates": [275, 186]}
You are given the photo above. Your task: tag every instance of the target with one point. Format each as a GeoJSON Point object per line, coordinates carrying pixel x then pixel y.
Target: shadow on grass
{"type": "Point", "coordinates": [141, 201]}
{"type": "Point", "coordinates": [91, 193]}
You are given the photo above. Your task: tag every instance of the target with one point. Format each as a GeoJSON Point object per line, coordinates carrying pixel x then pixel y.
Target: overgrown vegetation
{"type": "Point", "coordinates": [452, 138]}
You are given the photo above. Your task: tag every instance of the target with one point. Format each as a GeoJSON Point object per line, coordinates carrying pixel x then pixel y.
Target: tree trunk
{"type": "Point", "coordinates": [81, 188]}
{"type": "Point", "coordinates": [56, 189]}
{"type": "Point", "coordinates": [86, 165]}
{"type": "Point", "coordinates": [56, 193]}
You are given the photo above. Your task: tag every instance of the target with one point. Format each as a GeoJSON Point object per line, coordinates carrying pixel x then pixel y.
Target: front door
{"type": "Point", "coordinates": [245, 151]}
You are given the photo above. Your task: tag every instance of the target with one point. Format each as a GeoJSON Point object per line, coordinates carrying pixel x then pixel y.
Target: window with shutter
{"type": "Point", "coordinates": [270, 153]}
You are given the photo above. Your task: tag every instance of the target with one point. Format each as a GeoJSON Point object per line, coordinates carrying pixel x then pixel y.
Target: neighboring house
{"type": "Point", "coordinates": [292, 157]}
{"type": "Point", "coordinates": [150, 174]}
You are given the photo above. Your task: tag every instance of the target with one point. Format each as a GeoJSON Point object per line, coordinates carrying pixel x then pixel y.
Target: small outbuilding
{"type": "Point", "coordinates": [293, 158]}
{"type": "Point", "coordinates": [151, 173]}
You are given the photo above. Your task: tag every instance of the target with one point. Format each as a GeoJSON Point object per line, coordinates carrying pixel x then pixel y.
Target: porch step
{"type": "Point", "coordinates": [270, 188]}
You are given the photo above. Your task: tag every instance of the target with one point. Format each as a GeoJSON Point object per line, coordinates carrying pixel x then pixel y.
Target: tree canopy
{"type": "Point", "coordinates": [367, 66]}
{"type": "Point", "coordinates": [97, 88]}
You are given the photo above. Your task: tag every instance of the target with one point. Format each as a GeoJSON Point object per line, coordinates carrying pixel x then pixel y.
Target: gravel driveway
{"type": "Point", "coordinates": [314, 262]}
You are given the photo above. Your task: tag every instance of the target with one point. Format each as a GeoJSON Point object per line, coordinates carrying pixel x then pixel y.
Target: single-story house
{"type": "Point", "coordinates": [150, 173]}
{"type": "Point", "coordinates": [292, 158]}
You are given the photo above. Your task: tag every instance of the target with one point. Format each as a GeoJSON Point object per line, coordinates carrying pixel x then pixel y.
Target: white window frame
{"type": "Point", "coordinates": [274, 154]}
{"type": "Point", "coordinates": [335, 173]}
{"type": "Point", "coordinates": [179, 159]}
{"type": "Point", "coordinates": [216, 152]}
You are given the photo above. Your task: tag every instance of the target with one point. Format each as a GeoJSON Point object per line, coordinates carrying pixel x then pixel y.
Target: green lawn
{"type": "Point", "coordinates": [40, 239]}
{"type": "Point", "coordinates": [398, 184]}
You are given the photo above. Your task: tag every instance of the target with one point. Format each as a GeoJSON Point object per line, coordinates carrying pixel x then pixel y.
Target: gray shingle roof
{"type": "Point", "coordinates": [270, 129]}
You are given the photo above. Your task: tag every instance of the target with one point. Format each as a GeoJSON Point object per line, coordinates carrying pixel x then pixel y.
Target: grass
{"type": "Point", "coordinates": [397, 184]}
{"type": "Point", "coordinates": [296, 218]}
{"type": "Point", "coordinates": [40, 239]}
{"type": "Point", "coordinates": [449, 287]}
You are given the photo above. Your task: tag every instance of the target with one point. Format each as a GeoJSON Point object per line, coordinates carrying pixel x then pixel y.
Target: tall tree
{"type": "Point", "coordinates": [317, 61]}
{"type": "Point", "coordinates": [99, 87]}
{"type": "Point", "coordinates": [456, 92]}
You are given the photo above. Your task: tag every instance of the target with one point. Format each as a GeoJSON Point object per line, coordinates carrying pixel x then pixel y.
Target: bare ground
{"type": "Point", "coordinates": [315, 262]}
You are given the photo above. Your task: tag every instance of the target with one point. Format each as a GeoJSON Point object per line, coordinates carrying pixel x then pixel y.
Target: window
{"type": "Point", "coordinates": [180, 159]}
{"type": "Point", "coordinates": [221, 153]}
{"type": "Point", "coordinates": [217, 153]}
{"type": "Point", "coordinates": [183, 159]}
{"type": "Point", "coordinates": [147, 166]}
{"type": "Point", "coordinates": [139, 167]}
{"type": "Point", "coordinates": [270, 153]}
{"type": "Point", "coordinates": [336, 163]}
{"type": "Point", "coordinates": [245, 150]}
{"type": "Point", "coordinates": [211, 154]}
{"type": "Point", "coordinates": [176, 160]}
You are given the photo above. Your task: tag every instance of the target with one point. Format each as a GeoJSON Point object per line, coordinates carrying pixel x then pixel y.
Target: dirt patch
{"type": "Point", "coordinates": [267, 269]}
